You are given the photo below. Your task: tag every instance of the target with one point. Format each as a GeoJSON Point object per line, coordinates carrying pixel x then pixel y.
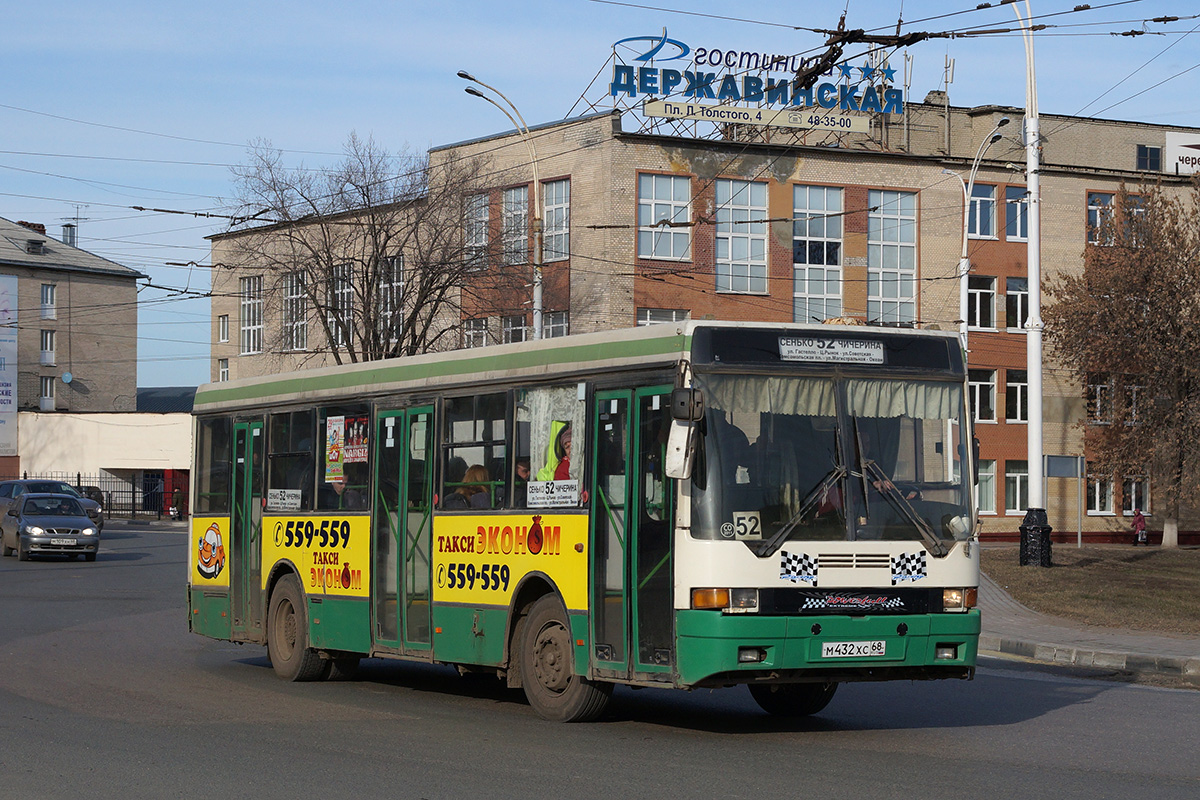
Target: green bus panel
{"type": "Point", "coordinates": [337, 623]}
{"type": "Point", "coordinates": [708, 641]}
{"type": "Point", "coordinates": [466, 635]}
{"type": "Point", "coordinates": [210, 613]}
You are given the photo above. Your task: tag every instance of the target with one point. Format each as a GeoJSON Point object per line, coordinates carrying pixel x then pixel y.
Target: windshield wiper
{"type": "Point", "coordinates": [772, 545]}
{"type": "Point", "coordinates": [896, 498]}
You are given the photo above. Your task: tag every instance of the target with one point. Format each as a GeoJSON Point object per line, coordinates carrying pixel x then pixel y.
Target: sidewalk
{"type": "Point", "coordinates": [1009, 627]}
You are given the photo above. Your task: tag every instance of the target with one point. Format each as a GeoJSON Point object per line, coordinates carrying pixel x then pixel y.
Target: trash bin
{"type": "Point", "coordinates": [1035, 539]}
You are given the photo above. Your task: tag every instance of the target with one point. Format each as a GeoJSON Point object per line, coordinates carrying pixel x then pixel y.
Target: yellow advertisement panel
{"type": "Point", "coordinates": [481, 559]}
{"type": "Point", "coordinates": [208, 552]}
{"type": "Point", "coordinates": [333, 554]}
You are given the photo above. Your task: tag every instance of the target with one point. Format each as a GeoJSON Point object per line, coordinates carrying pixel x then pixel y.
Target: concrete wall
{"type": "Point", "coordinates": [88, 443]}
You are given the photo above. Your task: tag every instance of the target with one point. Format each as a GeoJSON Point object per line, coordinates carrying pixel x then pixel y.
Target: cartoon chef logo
{"type": "Point", "coordinates": [210, 559]}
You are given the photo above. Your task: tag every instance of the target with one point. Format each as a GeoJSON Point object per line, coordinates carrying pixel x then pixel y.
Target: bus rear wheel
{"type": "Point", "coordinates": [792, 699]}
{"type": "Point", "coordinates": [555, 692]}
{"type": "Point", "coordinates": [287, 635]}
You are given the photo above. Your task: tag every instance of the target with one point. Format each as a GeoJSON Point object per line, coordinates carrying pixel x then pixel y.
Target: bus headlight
{"type": "Point", "coordinates": [960, 599]}
{"type": "Point", "coordinates": [734, 601]}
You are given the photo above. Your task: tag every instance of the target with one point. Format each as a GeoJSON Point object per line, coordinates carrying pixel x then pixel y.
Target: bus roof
{"type": "Point", "coordinates": [644, 347]}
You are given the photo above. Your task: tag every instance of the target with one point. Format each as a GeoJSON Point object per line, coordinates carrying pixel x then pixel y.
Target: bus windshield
{"type": "Point", "coordinates": [787, 458]}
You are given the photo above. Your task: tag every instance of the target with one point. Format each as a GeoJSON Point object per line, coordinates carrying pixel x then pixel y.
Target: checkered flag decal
{"type": "Point", "coordinates": [908, 567]}
{"type": "Point", "coordinates": [796, 567]}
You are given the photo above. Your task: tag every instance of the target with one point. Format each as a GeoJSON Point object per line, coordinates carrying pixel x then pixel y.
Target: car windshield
{"type": "Point", "coordinates": [789, 458]}
{"type": "Point", "coordinates": [52, 507]}
{"type": "Point", "coordinates": [54, 487]}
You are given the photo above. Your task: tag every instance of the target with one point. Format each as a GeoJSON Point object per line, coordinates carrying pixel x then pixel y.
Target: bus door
{"type": "Point", "coordinates": [402, 529]}
{"type": "Point", "coordinates": [245, 564]}
{"type": "Point", "coordinates": [632, 527]}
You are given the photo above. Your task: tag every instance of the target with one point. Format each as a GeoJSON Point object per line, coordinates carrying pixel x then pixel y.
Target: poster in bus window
{"type": "Point", "coordinates": [335, 438]}
{"type": "Point", "coordinates": [355, 449]}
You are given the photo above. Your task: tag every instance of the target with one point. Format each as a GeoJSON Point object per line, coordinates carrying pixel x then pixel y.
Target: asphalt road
{"type": "Point", "coordinates": [104, 694]}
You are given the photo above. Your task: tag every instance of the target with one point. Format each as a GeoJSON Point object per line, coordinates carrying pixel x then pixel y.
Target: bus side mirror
{"type": "Point", "coordinates": [687, 405]}
{"type": "Point", "coordinates": [681, 449]}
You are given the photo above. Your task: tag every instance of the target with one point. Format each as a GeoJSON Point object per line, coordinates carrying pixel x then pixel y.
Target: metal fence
{"type": "Point", "coordinates": [119, 498]}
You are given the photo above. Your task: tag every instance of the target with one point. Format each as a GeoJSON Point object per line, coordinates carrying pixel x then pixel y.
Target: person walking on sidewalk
{"type": "Point", "coordinates": [1139, 528]}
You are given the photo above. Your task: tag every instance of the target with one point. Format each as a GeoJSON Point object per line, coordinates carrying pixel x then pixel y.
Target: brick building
{"type": "Point", "coordinates": [642, 227]}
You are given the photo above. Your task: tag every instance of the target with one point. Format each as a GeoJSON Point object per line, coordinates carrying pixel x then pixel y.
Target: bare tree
{"type": "Point", "coordinates": [1131, 321]}
{"type": "Point", "coordinates": [364, 260]}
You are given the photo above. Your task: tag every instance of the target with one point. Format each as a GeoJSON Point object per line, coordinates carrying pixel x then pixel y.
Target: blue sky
{"type": "Point", "coordinates": [108, 106]}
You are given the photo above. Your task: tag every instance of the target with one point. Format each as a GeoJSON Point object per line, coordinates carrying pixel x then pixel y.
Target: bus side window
{"type": "Point", "coordinates": [475, 452]}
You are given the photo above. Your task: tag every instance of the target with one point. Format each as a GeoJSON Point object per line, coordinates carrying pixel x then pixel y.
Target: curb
{"type": "Point", "coordinates": [1187, 668]}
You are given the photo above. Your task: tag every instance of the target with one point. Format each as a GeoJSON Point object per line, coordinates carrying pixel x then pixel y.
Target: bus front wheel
{"type": "Point", "coordinates": [548, 668]}
{"type": "Point", "coordinates": [792, 699]}
{"type": "Point", "coordinates": [287, 635]}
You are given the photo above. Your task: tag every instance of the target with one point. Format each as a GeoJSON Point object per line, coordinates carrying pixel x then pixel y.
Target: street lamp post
{"type": "Point", "coordinates": [964, 263]}
{"type": "Point", "coordinates": [519, 123]}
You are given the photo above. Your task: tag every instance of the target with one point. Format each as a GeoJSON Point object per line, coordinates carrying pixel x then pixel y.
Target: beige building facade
{"type": "Point", "coordinates": [642, 228]}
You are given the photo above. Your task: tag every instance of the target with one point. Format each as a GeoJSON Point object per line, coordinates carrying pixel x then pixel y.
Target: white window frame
{"type": "Point", "coordinates": [981, 302]}
{"type": "Point", "coordinates": [1099, 211]}
{"type": "Point", "coordinates": [514, 223]}
{"type": "Point", "coordinates": [663, 216]}
{"type": "Point", "coordinates": [223, 328]}
{"type": "Point", "coordinates": [1099, 399]}
{"type": "Point", "coordinates": [49, 301]}
{"type": "Point", "coordinates": [1135, 493]}
{"type": "Point", "coordinates": [817, 231]}
{"type": "Point", "coordinates": [980, 387]}
{"type": "Point", "coordinates": [391, 296]}
{"type": "Point", "coordinates": [222, 370]}
{"type": "Point", "coordinates": [513, 329]}
{"type": "Point", "coordinates": [985, 490]}
{"type": "Point", "coordinates": [1016, 298]}
{"type": "Point", "coordinates": [891, 256]}
{"type": "Point", "coordinates": [1021, 389]}
{"type": "Point", "coordinates": [250, 319]}
{"type": "Point", "coordinates": [1016, 213]}
{"type": "Point", "coordinates": [1099, 495]}
{"type": "Point", "coordinates": [1016, 487]}
{"type": "Point", "coordinates": [741, 263]}
{"type": "Point", "coordinates": [556, 225]}
{"type": "Point", "coordinates": [661, 316]}
{"type": "Point", "coordinates": [981, 218]}
{"type": "Point", "coordinates": [475, 231]}
{"type": "Point", "coordinates": [47, 356]}
{"type": "Point", "coordinates": [46, 393]}
{"type": "Point", "coordinates": [295, 312]}
{"type": "Point", "coordinates": [555, 324]}
{"type": "Point", "coordinates": [475, 332]}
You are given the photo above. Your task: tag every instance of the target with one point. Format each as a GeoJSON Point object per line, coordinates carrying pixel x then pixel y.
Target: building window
{"type": "Point", "coordinates": [1016, 302]}
{"type": "Point", "coordinates": [741, 236]}
{"type": "Point", "coordinates": [981, 302]}
{"type": "Point", "coordinates": [981, 221]}
{"type": "Point", "coordinates": [391, 298]}
{"type": "Point", "coordinates": [475, 332]}
{"type": "Point", "coordinates": [1016, 486]}
{"type": "Point", "coordinates": [983, 394]}
{"type": "Point", "coordinates": [1099, 494]}
{"type": "Point", "coordinates": [891, 256]}
{"type": "Point", "coordinates": [1016, 213]}
{"type": "Point", "coordinates": [1135, 494]}
{"type": "Point", "coordinates": [556, 228]}
{"type": "Point", "coordinates": [341, 305]}
{"type": "Point", "coordinates": [46, 395]}
{"type": "Point", "coordinates": [555, 324]}
{"type": "Point", "coordinates": [295, 312]}
{"type": "Point", "coordinates": [1099, 212]}
{"type": "Point", "coordinates": [664, 213]}
{"type": "Point", "coordinates": [1016, 395]}
{"type": "Point", "coordinates": [817, 252]}
{"type": "Point", "coordinates": [250, 292]}
{"type": "Point", "coordinates": [1099, 398]}
{"type": "Point", "coordinates": [223, 328]}
{"type": "Point", "coordinates": [47, 355]}
{"type": "Point", "coordinates": [475, 231]}
{"type": "Point", "coordinates": [1149, 159]}
{"type": "Point", "coordinates": [222, 370]}
{"type": "Point", "coordinates": [985, 490]}
{"type": "Point", "coordinates": [656, 316]}
{"type": "Point", "coordinates": [49, 301]}
{"type": "Point", "coordinates": [513, 329]}
{"type": "Point", "coordinates": [514, 216]}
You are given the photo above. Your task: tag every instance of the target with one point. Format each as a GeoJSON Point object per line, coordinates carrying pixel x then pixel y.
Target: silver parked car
{"type": "Point", "coordinates": [48, 524]}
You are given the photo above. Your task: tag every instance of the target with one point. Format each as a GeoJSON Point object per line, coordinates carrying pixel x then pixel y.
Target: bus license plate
{"type": "Point", "coordinates": [852, 649]}
{"type": "Point", "coordinates": [63, 542]}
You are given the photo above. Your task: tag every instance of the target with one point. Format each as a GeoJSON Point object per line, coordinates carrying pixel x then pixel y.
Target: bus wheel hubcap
{"type": "Point", "coordinates": [550, 658]}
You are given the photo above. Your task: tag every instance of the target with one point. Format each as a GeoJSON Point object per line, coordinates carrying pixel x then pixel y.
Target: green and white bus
{"type": "Point", "coordinates": [695, 505]}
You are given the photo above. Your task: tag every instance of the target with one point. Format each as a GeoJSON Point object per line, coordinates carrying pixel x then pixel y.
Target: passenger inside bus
{"type": "Point", "coordinates": [474, 491]}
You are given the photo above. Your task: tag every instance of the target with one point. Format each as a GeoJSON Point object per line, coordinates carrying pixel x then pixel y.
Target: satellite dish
{"type": "Point", "coordinates": [67, 377]}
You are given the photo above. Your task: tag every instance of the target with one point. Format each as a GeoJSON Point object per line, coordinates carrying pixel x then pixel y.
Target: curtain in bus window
{"type": "Point", "coordinates": [557, 444]}
{"type": "Point", "coordinates": [891, 398]}
{"type": "Point", "coordinates": [750, 395]}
